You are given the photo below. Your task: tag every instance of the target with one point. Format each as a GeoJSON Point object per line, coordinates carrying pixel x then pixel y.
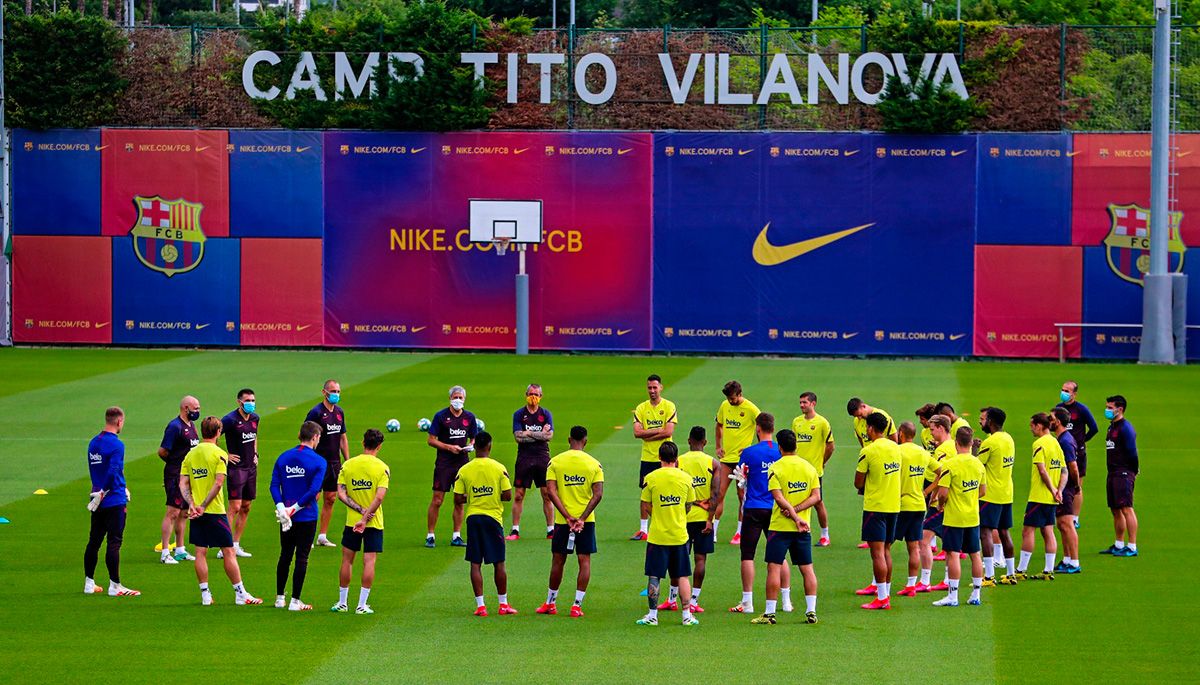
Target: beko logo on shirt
{"type": "Point", "coordinates": [1110, 444]}
{"type": "Point", "coordinates": [482, 490]}
{"type": "Point", "coordinates": [733, 423]}
{"type": "Point", "coordinates": [797, 485]}
{"type": "Point", "coordinates": [456, 433]}
{"type": "Point", "coordinates": [570, 479]}
{"type": "Point", "coordinates": [333, 428]}
{"type": "Point", "coordinates": [969, 485]}
{"type": "Point", "coordinates": [194, 441]}
{"type": "Point", "coordinates": [1009, 461]}
{"type": "Point", "coordinates": [199, 473]}
{"type": "Point", "coordinates": [669, 500]}
{"type": "Point", "coordinates": [533, 429]}
{"type": "Point", "coordinates": [891, 467]}
{"type": "Point", "coordinates": [294, 471]}
{"type": "Point", "coordinates": [249, 437]}
{"type": "Point", "coordinates": [804, 437]}
{"type": "Point", "coordinates": [361, 483]}
{"type": "Point", "coordinates": [699, 481]}
{"type": "Point", "coordinates": [914, 470]}
{"type": "Point", "coordinates": [94, 458]}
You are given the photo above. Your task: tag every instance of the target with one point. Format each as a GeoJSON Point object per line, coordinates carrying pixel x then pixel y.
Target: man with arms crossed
{"type": "Point", "coordinates": [735, 432]}
{"type": "Point", "coordinates": [653, 423]}
{"type": "Point", "coordinates": [533, 428]}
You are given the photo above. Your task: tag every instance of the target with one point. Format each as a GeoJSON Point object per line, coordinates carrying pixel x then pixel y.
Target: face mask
{"type": "Point", "coordinates": [1109, 414]}
{"type": "Point", "coordinates": [248, 407]}
{"type": "Point", "coordinates": [457, 405]}
{"type": "Point", "coordinates": [193, 415]}
{"type": "Point", "coordinates": [1064, 395]}
{"type": "Point", "coordinates": [334, 397]}
{"type": "Point", "coordinates": [533, 400]}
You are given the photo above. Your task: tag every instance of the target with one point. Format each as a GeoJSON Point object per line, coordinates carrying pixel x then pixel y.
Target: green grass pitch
{"type": "Point", "coordinates": [1132, 619]}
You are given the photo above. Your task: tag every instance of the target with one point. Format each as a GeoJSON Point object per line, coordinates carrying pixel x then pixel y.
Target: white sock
{"type": "Point", "coordinates": [478, 601]}
{"type": "Point", "coordinates": [239, 588]}
{"type": "Point", "coordinates": [785, 594]}
{"type": "Point", "coordinates": [716, 522]}
{"type": "Point", "coordinates": [912, 580]}
{"type": "Point", "coordinates": [503, 599]}
{"type": "Point", "coordinates": [925, 575]}
{"type": "Point", "coordinates": [1024, 565]}
{"type": "Point", "coordinates": [280, 598]}
{"type": "Point", "coordinates": [363, 593]}
{"type": "Point", "coordinates": [516, 528]}
{"type": "Point", "coordinates": [997, 551]}
{"type": "Point", "coordinates": [166, 553]}
{"type": "Point", "coordinates": [181, 550]}
{"type": "Point", "coordinates": [673, 595]}
{"type": "Point", "coordinates": [1133, 546]}
{"type": "Point", "coordinates": [824, 532]}
{"type": "Point", "coordinates": [987, 566]}
{"type": "Point", "coordinates": [748, 597]}
{"type": "Point", "coordinates": [1119, 544]}
{"type": "Point", "coordinates": [976, 585]}
{"type": "Point", "coordinates": [1049, 562]}
{"type": "Point", "coordinates": [1076, 519]}
{"type": "Point", "coordinates": [551, 596]}
{"type": "Point", "coordinates": [1066, 560]}
{"type": "Point", "coordinates": [810, 602]}
{"type": "Point", "coordinates": [887, 587]}
{"type": "Point", "coordinates": [643, 525]}
{"type": "Point", "coordinates": [771, 606]}
{"type": "Point", "coordinates": [457, 535]}
{"type": "Point", "coordinates": [322, 537]}
{"type": "Point", "coordinates": [343, 593]}
{"type": "Point", "coordinates": [579, 597]}
{"type": "Point", "coordinates": [881, 591]}
{"type": "Point", "coordinates": [739, 530]}
{"type": "Point", "coordinates": [695, 595]}
{"type": "Point", "coordinates": [237, 545]}
{"type": "Point", "coordinates": [203, 587]}
{"type": "Point", "coordinates": [687, 614]}
{"type": "Point", "coordinates": [653, 613]}
{"type": "Point", "coordinates": [953, 589]}
{"type": "Point", "coordinates": [1010, 565]}
{"type": "Point", "coordinates": [549, 529]}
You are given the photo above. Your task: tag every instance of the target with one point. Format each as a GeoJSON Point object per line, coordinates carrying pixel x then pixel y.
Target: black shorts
{"type": "Point", "coordinates": [485, 540]}
{"type": "Point", "coordinates": [908, 526]}
{"type": "Point", "coordinates": [995, 516]}
{"type": "Point", "coordinates": [933, 521]}
{"type": "Point", "coordinates": [1081, 459]}
{"type": "Point", "coordinates": [755, 523]}
{"type": "Point", "coordinates": [108, 522]}
{"type": "Point", "coordinates": [821, 485]}
{"type": "Point", "coordinates": [332, 470]}
{"type": "Point", "coordinates": [210, 530]}
{"type": "Point", "coordinates": [585, 540]}
{"type": "Point", "coordinates": [780, 543]}
{"type": "Point", "coordinates": [369, 541]}
{"type": "Point", "coordinates": [1069, 493]}
{"type": "Point", "coordinates": [1038, 515]}
{"type": "Point", "coordinates": [174, 494]}
{"type": "Point", "coordinates": [879, 526]}
{"type": "Point", "coordinates": [647, 468]}
{"type": "Point", "coordinates": [964, 540]}
{"type": "Point", "coordinates": [1119, 488]}
{"type": "Point", "coordinates": [674, 561]}
{"type": "Point", "coordinates": [445, 471]}
{"type": "Point", "coordinates": [242, 482]}
{"type": "Point", "coordinates": [702, 543]}
{"type": "Point", "coordinates": [530, 472]}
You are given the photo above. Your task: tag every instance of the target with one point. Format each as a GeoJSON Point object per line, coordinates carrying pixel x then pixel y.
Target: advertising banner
{"type": "Point", "coordinates": [1024, 189]}
{"type": "Point", "coordinates": [1020, 293]}
{"type": "Point", "coordinates": [281, 292]}
{"type": "Point", "coordinates": [56, 182]}
{"type": "Point", "coordinates": [62, 289]}
{"type": "Point", "coordinates": [275, 184]}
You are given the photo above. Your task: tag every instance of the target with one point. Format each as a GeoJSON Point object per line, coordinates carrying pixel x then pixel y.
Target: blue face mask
{"type": "Point", "coordinates": [1064, 396]}
{"type": "Point", "coordinates": [1109, 414]}
{"type": "Point", "coordinates": [248, 407]}
{"type": "Point", "coordinates": [334, 397]}
{"type": "Point", "coordinates": [193, 416]}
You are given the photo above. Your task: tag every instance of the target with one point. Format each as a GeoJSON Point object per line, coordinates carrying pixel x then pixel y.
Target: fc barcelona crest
{"type": "Point", "coordinates": [167, 235]}
{"type": "Point", "coordinates": [1127, 244]}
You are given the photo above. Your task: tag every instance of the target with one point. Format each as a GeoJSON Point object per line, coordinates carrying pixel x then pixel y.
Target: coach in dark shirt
{"type": "Point", "coordinates": [179, 438]}
{"type": "Point", "coordinates": [1082, 428]}
{"type": "Point", "coordinates": [240, 428]}
{"type": "Point", "coordinates": [1121, 441]}
{"type": "Point", "coordinates": [452, 434]}
{"type": "Point", "coordinates": [334, 446]}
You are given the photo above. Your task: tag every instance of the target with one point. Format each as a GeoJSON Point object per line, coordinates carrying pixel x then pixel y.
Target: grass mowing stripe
{"type": "Point", "coordinates": [31, 368]}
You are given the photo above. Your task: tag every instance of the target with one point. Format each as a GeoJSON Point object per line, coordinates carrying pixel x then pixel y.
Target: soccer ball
{"type": "Point", "coordinates": [393, 426]}
{"type": "Point", "coordinates": [423, 424]}
{"type": "Point", "coordinates": [480, 424]}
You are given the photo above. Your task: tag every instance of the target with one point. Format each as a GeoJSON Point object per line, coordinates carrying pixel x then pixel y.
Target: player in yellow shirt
{"type": "Point", "coordinates": [362, 485]}
{"type": "Point", "coordinates": [956, 421]}
{"type": "Point", "coordinates": [814, 444]}
{"type": "Point", "coordinates": [201, 477]}
{"type": "Point", "coordinates": [653, 423]}
{"type": "Point", "coordinates": [914, 462]}
{"type": "Point", "coordinates": [483, 486]}
{"type": "Point", "coordinates": [575, 485]}
{"type": "Point", "coordinates": [859, 411]}
{"type": "Point", "coordinates": [939, 433]}
{"type": "Point", "coordinates": [877, 476]}
{"type": "Point", "coordinates": [735, 432]}
{"type": "Point", "coordinates": [958, 494]}
{"type": "Point", "coordinates": [1047, 480]}
{"type": "Point", "coordinates": [670, 494]}
{"type": "Point", "coordinates": [923, 414]}
{"type": "Point", "coordinates": [702, 529]}
{"type": "Point", "coordinates": [997, 453]}
{"type": "Point", "coordinates": [796, 488]}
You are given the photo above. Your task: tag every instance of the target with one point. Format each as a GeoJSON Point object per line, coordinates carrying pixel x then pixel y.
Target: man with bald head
{"type": "Point", "coordinates": [334, 446]}
{"type": "Point", "coordinates": [178, 439]}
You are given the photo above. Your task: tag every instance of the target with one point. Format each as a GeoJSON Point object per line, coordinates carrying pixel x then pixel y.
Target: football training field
{"type": "Point", "coordinates": [1132, 619]}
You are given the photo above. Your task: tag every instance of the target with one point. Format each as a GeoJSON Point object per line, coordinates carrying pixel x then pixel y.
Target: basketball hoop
{"type": "Point", "coordinates": [501, 245]}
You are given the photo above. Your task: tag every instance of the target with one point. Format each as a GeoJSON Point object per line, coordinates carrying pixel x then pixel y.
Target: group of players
{"type": "Point", "coordinates": [952, 486]}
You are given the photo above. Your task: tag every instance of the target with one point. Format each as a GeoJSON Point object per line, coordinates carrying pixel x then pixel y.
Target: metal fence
{"type": "Point", "coordinates": [1083, 78]}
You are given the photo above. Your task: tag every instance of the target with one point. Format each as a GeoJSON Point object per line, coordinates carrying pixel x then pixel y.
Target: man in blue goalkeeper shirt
{"type": "Point", "coordinates": [106, 465]}
{"type": "Point", "coordinates": [753, 466]}
{"type": "Point", "coordinates": [295, 485]}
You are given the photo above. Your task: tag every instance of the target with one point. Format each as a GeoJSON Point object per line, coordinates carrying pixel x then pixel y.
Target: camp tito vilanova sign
{"type": "Point", "coordinates": [834, 80]}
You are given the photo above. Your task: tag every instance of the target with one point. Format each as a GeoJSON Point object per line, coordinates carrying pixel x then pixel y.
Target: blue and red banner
{"type": "Point", "coordinates": [56, 182]}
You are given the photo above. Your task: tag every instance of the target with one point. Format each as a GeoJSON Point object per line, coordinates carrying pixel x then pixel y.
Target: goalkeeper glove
{"type": "Point", "coordinates": [94, 500]}
{"type": "Point", "coordinates": [739, 476]}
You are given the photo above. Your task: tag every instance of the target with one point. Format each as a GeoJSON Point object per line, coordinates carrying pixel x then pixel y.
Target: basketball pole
{"type": "Point", "coordinates": [1158, 346]}
{"type": "Point", "coordinates": [522, 303]}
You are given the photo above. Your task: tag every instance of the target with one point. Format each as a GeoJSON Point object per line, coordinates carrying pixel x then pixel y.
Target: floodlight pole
{"type": "Point", "coordinates": [522, 303]}
{"type": "Point", "coordinates": [1158, 346]}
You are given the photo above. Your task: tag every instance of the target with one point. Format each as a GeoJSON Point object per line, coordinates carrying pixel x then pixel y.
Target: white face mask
{"type": "Point", "coordinates": [456, 404]}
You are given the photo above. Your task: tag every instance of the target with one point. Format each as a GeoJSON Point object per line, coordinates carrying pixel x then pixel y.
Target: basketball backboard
{"type": "Point", "coordinates": [519, 221]}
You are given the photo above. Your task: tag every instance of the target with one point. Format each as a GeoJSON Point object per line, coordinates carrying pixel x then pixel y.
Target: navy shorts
{"type": "Point", "coordinates": [171, 487]}
{"type": "Point", "coordinates": [243, 482]}
{"type": "Point", "coordinates": [647, 468]}
{"type": "Point", "coordinates": [530, 472]}
{"type": "Point", "coordinates": [908, 526]}
{"type": "Point", "coordinates": [485, 540]}
{"type": "Point", "coordinates": [995, 516]}
{"type": "Point", "coordinates": [702, 543]}
{"type": "Point", "coordinates": [879, 526]}
{"type": "Point", "coordinates": [1069, 493]}
{"type": "Point", "coordinates": [965, 540]}
{"type": "Point", "coordinates": [933, 521]}
{"type": "Point", "coordinates": [1119, 488]}
{"type": "Point", "coordinates": [585, 540]}
{"type": "Point", "coordinates": [210, 530]}
{"type": "Point", "coordinates": [780, 543]}
{"type": "Point", "coordinates": [369, 541]}
{"type": "Point", "coordinates": [673, 561]}
{"type": "Point", "coordinates": [332, 469]}
{"type": "Point", "coordinates": [1081, 459]}
{"type": "Point", "coordinates": [1038, 515]}
{"type": "Point", "coordinates": [445, 471]}
{"type": "Point", "coordinates": [755, 522]}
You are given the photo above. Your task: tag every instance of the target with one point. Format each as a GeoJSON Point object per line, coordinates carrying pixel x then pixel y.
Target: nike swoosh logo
{"type": "Point", "coordinates": [418, 329]}
{"type": "Point", "coordinates": [847, 336]}
{"type": "Point", "coordinates": [960, 336]}
{"type": "Point", "coordinates": [955, 153]}
{"type": "Point", "coordinates": [202, 326]}
{"type": "Point", "coordinates": [102, 147]}
{"type": "Point", "coordinates": [1185, 153]}
{"type": "Point", "coordinates": [624, 150]}
{"type": "Point", "coordinates": [742, 334]}
{"type": "Point", "coordinates": [415, 150]}
{"type": "Point", "coordinates": [1069, 338]}
{"type": "Point", "coordinates": [304, 327]}
{"type": "Point", "coordinates": [767, 254]}
{"type": "Point", "coordinates": [742, 153]}
{"type": "Point", "coordinates": [306, 148]}
{"type": "Point", "coordinates": [101, 325]}
{"type": "Point", "coordinates": [519, 150]}
{"type": "Point", "coordinates": [851, 153]}
{"type": "Point", "coordinates": [623, 331]}
{"type": "Point", "coordinates": [1073, 153]}
{"type": "Point", "coordinates": [202, 148]}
